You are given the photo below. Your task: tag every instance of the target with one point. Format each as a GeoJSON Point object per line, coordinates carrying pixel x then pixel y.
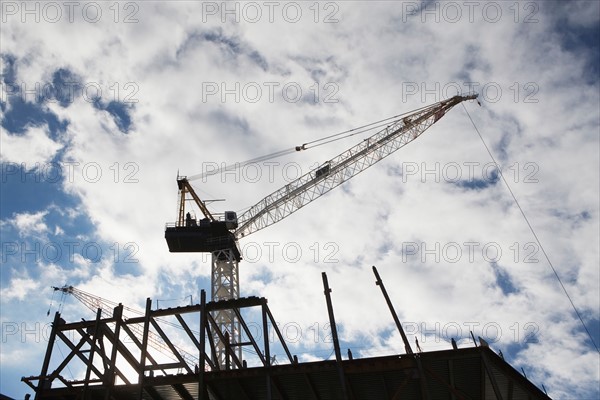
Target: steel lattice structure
{"type": "Point", "coordinates": [338, 170]}
{"type": "Point", "coordinates": [225, 285]}
{"type": "Point", "coordinates": [119, 364]}
{"type": "Point", "coordinates": [110, 347]}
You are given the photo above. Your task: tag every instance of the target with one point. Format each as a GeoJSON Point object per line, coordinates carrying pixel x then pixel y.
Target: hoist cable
{"type": "Point", "coordinates": [352, 134]}
{"type": "Point", "coordinates": [313, 143]}
{"type": "Point", "coordinates": [379, 123]}
{"type": "Point", "coordinates": [234, 166]}
{"type": "Point", "coordinates": [533, 232]}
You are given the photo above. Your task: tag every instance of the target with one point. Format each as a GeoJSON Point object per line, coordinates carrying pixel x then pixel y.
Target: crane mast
{"type": "Point", "coordinates": [219, 237]}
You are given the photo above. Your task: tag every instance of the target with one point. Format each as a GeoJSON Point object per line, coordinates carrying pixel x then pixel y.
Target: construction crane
{"type": "Point", "coordinates": [219, 237]}
{"type": "Point", "coordinates": [94, 303]}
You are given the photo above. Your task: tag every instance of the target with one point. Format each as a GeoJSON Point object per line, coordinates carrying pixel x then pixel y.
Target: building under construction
{"type": "Point", "coordinates": [119, 357]}
{"type": "Point", "coordinates": [120, 364]}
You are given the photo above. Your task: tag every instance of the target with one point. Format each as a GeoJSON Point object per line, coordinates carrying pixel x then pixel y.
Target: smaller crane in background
{"type": "Point", "coordinates": [106, 306]}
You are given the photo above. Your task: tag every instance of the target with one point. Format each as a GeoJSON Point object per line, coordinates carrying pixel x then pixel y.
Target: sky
{"type": "Point", "coordinates": [104, 103]}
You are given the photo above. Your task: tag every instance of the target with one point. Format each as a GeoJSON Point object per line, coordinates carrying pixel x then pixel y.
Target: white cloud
{"type": "Point", "coordinates": [33, 150]}
{"type": "Point", "coordinates": [19, 289]}
{"type": "Point", "coordinates": [373, 55]}
{"type": "Point", "coordinates": [30, 224]}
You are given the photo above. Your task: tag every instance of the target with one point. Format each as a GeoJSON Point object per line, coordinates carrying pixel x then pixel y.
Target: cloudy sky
{"type": "Point", "coordinates": [103, 103]}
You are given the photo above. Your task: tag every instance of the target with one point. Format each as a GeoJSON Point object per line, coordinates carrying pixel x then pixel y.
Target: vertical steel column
{"type": "Point", "coordinates": [336, 343]}
{"type": "Point", "coordinates": [144, 351]}
{"type": "Point", "coordinates": [90, 361]}
{"type": "Point", "coordinates": [227, 351]}
{"type": "Point", "coordinates": [201, 361]}
{"type": "Point", "coordinates": [46, 364]}
{"type": "Point", "coordinates": [111, 373]}
{"type": "Point", "coordinates": [267, 351]}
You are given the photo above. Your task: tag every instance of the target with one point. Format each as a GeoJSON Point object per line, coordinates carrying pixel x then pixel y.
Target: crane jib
{"type": "Point", "coordinates": [328, 168]}
{"type": "Point", "coordinates": [322, 174]}
{"type": "Point", "coordinates": [332, 173]}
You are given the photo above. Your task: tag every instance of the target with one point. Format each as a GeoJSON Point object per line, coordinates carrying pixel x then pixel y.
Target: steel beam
{"type": "Point", "coordinates": [74, 349]}
{"type": "Point", "coordinates": [249, 334]}
{"type": "Point", "coordinates": [224, 343]}
{"type": "Point", "coordinates": [279, 335]}
{"type": "Point", "coordinates": [203, 325]}
{"type": "Point", "coordinates": [267, 352]}
{"type": "Point", "coordinates": [90, 362]}
{"type": "Point", "coordinates": [336, 343]}
{"type": "Point", "coordinates": [144, 349]}
{"type": "Point", "coordinates": [165, 338]}
{"type": "Point", "coordinates": [408, 349]}
{"type": "Point", "coordinates": [45, 365]}
{"type": "Point", "coordinates": [379, 283]}
{"type": "Point", "coordinates": [111, 373]}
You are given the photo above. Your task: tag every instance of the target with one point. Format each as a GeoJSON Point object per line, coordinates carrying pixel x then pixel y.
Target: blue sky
{"type": "Point", "coordinates": [100, 111]}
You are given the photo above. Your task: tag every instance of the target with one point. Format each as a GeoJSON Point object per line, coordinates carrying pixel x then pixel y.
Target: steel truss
{"type": "Point", "coordinates": [338, 170]}
{"type": "Point", "coordinates": [225, 285]}
{"type": "Point", "coordinates": [118, 364]}
{"type": "Point", "coordinates": [104, 352]}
